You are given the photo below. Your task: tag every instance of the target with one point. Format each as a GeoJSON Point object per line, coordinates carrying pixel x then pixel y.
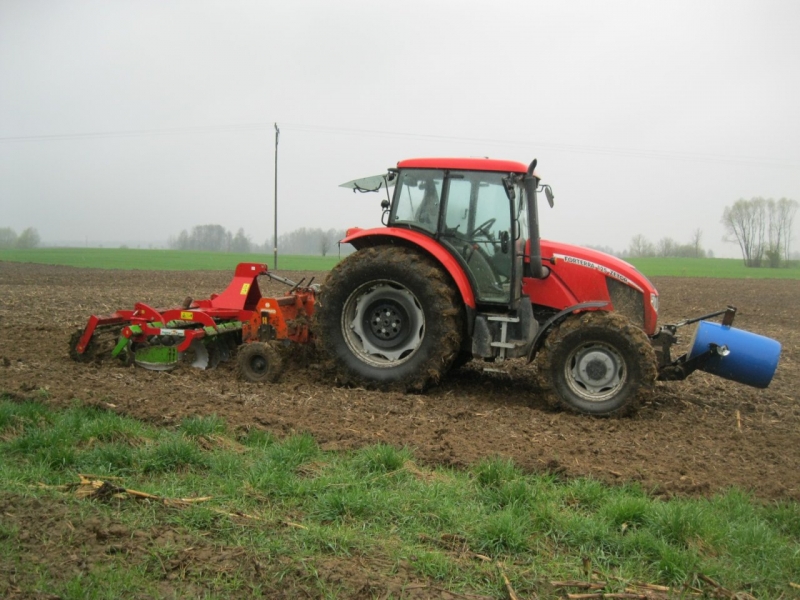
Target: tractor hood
{"type": "Point", "coordinates": [586, 258]}
{"type": "Point", "coordinates": [577, 274]}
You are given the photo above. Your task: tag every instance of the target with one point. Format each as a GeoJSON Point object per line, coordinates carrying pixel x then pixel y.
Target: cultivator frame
{"type": "Point", "coordinates": [209, 330]}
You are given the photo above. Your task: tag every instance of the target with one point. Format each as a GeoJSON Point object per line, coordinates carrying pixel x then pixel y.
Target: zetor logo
{"type": "Point", "coordinates": [602, 268]}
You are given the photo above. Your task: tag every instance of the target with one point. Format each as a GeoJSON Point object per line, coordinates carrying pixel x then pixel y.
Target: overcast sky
{"type": "Point", "coordinates": [132, 120]}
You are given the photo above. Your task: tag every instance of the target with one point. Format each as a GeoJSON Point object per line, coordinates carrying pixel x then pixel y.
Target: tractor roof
{"type": "Point", "coordinates": [464, 164]}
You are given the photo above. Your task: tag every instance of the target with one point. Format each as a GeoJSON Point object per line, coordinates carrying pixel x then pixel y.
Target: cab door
{"type": "Point", "coordinates": [477, 226]}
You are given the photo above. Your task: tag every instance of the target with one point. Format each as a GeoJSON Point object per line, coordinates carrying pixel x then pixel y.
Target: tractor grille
{"type": "Point", "coordinates": [626, 300]}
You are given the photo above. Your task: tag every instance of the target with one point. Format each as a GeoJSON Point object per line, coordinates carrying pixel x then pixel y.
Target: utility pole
{"type": "Point", "coordinates": [275, 232]}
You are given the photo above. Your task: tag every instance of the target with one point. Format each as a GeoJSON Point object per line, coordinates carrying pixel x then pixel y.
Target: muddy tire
{"type": "Point", "coordinates": [389, 318]}
{"type": "Point", "coordinates": [597, 363]}
{"type": "Point", "coordinates": [257, 362]}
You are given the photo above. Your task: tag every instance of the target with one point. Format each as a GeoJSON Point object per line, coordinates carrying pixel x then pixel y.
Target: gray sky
{"type": "Point", "coordinates": [133, 120]}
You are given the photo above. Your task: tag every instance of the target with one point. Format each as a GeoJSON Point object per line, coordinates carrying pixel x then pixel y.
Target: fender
{"type": "Point", "coordinates": [544, 330]}
{"type": "Point", "coordinates": [362, 238]}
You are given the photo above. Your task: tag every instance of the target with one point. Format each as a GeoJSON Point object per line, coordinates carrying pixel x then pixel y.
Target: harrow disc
{"type": "Point", "coordinates": [198, 355]}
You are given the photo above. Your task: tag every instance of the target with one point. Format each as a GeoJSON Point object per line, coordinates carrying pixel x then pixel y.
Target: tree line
{"type": "Point", "coordinates": [640, 246]}
{"type": "Point", "coordinates": [29, 238]}
{"type": "Point", "coordinates": [762, 228]}
{"type": "Point", "coordinates": [215, 238]}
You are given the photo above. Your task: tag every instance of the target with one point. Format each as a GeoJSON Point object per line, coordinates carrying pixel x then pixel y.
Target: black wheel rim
{"type": "Point", "coordinates": [258, 365]}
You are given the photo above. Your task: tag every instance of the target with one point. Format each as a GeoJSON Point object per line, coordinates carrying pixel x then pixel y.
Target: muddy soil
{"type": "Point", "coordinates": [694, 437]}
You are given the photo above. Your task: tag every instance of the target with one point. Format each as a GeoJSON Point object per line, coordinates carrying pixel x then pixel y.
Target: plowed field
{"type": "Point", "coordinates": [691, 438]}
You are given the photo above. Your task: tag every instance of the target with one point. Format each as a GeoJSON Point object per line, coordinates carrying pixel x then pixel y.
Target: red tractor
{"type": "Point", "coordinates": [458, 273]}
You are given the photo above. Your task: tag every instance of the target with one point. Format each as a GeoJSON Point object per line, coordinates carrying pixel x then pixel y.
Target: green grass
{"type": "Point", "coordinates": [723, 268]}
{"type": "Point", "coordinates": [129, 258]}
{"type": "Point", "coordinates": [161, 260]}
{"type": "Point", "coordinates": [374, 508]}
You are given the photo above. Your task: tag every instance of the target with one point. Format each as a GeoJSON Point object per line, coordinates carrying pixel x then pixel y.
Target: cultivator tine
{"type": "Point", "coordinates": [214, 357]}
{"type": "Point", "coordinates": [223, 351]}
{"type": "Point", "coordinates": [199, 355]}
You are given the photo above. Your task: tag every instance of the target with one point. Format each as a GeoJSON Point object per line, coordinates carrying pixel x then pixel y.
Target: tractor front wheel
{"type": "Point", "coordinates": [390, 318]}
{"type": "Point", "coordinates": [258, 363]}
{"type": "Point", "coordinates": [597, 363]}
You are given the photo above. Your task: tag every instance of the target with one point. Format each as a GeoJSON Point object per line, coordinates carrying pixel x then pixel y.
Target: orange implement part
{"type": "Point", "coordinates": [289, 316]}
{"type": "Point", "coordinates": [242, 293]}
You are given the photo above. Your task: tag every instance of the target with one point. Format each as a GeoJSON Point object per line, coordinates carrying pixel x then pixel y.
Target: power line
{"type": "Point", "coordinates": [256, 126]}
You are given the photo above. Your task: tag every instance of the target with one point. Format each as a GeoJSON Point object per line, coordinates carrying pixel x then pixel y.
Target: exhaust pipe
{"type": "Point", "coordinates": [530, 183]}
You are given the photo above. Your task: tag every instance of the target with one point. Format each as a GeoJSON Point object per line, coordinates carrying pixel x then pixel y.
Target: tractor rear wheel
{"type": "Point", "coordinates": [390, 318]}
{"type": "Point", "coordinates": [597, 363]}
{"type": "Point", "coordinates": [258, 362]}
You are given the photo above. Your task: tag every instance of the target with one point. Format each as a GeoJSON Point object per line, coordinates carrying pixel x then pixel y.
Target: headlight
{"type": "Point", "coordinates": [654, 301]}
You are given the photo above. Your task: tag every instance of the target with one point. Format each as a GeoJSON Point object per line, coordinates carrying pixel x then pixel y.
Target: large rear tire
{"type": "Point", "coordinates": [390, 318]}
{"type": "Point", "coordinates": [597, 363]}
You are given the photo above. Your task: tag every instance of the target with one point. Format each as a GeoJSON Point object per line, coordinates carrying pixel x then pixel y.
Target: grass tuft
{"type": "Point", "coordinates": [197, 426]}
{"type": "Point", "coordinates": [172, 454]}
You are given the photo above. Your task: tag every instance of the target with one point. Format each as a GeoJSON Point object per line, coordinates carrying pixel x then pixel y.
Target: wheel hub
{"type": "Point", "coordinates": [258, 364]}
{"type": "Point", "coordinates": [386, 321]}
{"type": "Point", "coordinates": [595, 371]}
{"type": "Point", "coordinates": [383, 323]}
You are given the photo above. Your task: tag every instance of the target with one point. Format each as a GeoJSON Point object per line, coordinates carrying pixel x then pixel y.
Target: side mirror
{"type": "Point", "coordinates": [549, 193]}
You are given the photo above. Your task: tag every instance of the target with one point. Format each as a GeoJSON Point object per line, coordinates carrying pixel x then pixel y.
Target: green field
{"type": "Point", "coordinates": [291, 508]}
{"type": "Point", "coordinates": [178, 260]}
{"type": "Point", "coordinates": [161, 260]}
{"type": "Point", "coordinates": [723, 268]}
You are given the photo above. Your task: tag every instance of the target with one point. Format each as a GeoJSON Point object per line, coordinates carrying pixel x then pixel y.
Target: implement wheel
{"type": "Point", "coordinates": [258, 363]}
{"type": "Point", "coordinates": [597, 363]}
{"type": "Point", "coordinates": [390, 318]}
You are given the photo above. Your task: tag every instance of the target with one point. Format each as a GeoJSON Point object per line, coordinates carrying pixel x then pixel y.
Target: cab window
{"type": "Point", "coordinates": [417, 199]}
{"type": "Point", "coordinates": [477, 219]}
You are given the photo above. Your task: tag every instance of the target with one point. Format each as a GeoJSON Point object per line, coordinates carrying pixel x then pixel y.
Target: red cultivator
{"type": "Point", "coordinates": [205, 332]}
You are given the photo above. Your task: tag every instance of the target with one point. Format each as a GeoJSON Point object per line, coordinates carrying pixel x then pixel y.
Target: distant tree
{"type": "Point", "coordinates": [762, 229]}
{"type": "Point", "coordinates": [695, 242]}
{"type": "Point", "coordinates": [28, 238]}
{"type": "Point", "coordinates": [640, 246]}
{"type": "Point", "coordinates": [666, 247]}
{"type": "Point", "coordinates": [183, 240]}
{"type": "Point", "coordinates": [745, 224]}
{"type": "Point", "coordinates": [781, 215]}
{"type": "Point", "coordinates": [8, 237]}
{"type": "Point", "coordinates": [241, 243]}
{"type": "Point", "coordinates": [325, 243]}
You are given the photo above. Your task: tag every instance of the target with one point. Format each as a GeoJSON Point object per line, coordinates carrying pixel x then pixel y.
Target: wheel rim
{"type": "Point", "coordinates": [258, 365]}
{"type": "Point", "coordinates": [383, 323]}
{"type": "Point", "coordinates": [595, 372]}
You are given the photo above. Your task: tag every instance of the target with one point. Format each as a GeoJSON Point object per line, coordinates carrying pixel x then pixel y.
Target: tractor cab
{"type": "Point", "coordinates": [479, 216]}
{"type": "Point", "coordinates": [475, 208]}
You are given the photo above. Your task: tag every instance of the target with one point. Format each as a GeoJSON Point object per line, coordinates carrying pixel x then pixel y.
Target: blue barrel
{"type": "Point", "coordinates": [752, 360]}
